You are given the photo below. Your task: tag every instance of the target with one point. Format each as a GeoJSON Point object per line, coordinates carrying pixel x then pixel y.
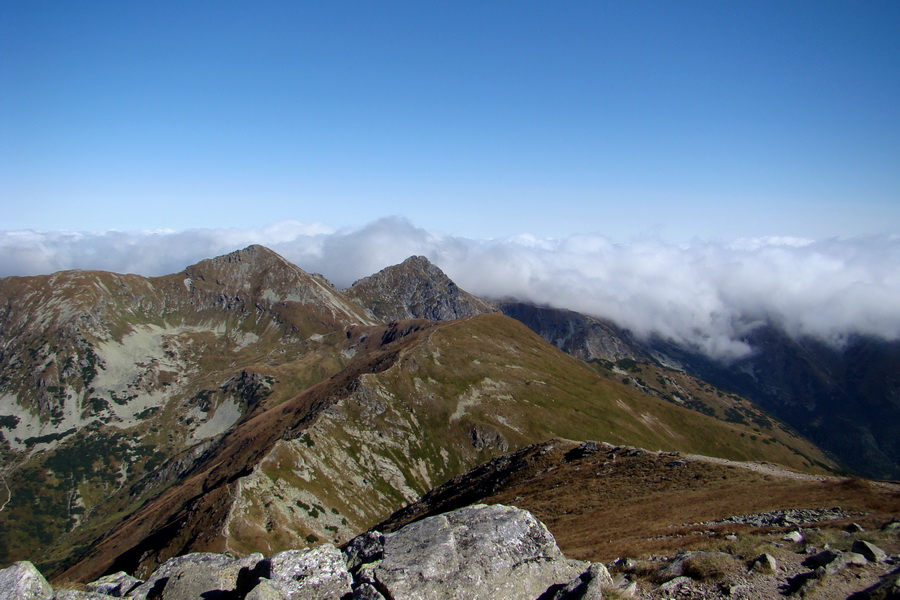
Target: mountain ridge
{"type": "Point", "coordinates": [280, 382]}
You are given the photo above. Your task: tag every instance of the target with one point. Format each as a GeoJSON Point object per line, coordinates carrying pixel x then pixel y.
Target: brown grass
{"type": "Point", "coordinates": [600, 509]}
{"type": "Point", "coordinates": [711, 567]}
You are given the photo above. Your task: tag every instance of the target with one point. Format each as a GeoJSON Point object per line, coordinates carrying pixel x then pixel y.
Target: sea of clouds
{"type": "Point", "coordinates": [704, 293]}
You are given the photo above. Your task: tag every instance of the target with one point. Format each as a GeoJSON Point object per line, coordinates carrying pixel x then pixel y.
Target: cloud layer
{"type": "Point", "coordinates": [708, 294]}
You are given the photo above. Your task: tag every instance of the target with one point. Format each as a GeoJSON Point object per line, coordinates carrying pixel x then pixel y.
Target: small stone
{"type": "Point", "coordinates": [626, 564]}
{"type": "Point", "coordinates": [854, 559]}
{"type": "Point", "coordinates": [584, 449]}
{"type": "Point", "coordinates": [366, 592]}
{"type": "Point", "coordinates": [266, 589]}
{"type": "Point", "coordinates": [117, 585]}
{"type": "Point", "coordinates": [892, 525]}
{"type": "Point", "coordinates": [820, 559]}
{"type": "Point", "coordinates": [79, 595]}
{"type": "Point", "coordinates": [631, 589]}
{"type": "Point", "coordinates": [765, 563]}
{"type": "Point", "coordinates": [854, 528]}
{"type": "Point", "coordinates": [587, 586]}
{"type": "Point", "coordinates": [794, 536]}
{"type": "Point", "coordinates": [870, 551]}
{"type": "Point", "coordinates": [674, 585]}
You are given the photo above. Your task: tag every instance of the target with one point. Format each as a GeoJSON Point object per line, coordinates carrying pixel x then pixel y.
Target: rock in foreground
{"type": "Point", "coordinates": [478, 552]}
{"type": "Point", "coordinates": [474, 552]}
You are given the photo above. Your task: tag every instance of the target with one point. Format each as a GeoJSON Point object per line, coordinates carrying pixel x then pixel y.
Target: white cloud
{"type": "Point", "coordinates": [705, 293]}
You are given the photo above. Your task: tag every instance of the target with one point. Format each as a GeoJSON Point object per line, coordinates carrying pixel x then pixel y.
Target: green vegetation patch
{"type": "Point", "coordinates": [50, 437]}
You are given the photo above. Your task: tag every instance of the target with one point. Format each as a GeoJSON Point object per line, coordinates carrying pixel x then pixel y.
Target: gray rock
{"type": "Point", "coordinates": [472, 553]}
{"type": "Point", "coordinates": [313, 574]}
{"type": "Point", "coordinates": [821, 559]}
{"type": "Point", "coordinates": [631, 588]}
{"type": "Point", "coordinates": [854, 528]}
{"type": "Point", "coordinates": [21, 581]}
{"type": "Point", "coordinates": [587, 586]}
{"type": "Point", "coordinates": [765, 563]}
{"type": "Point", "coordinates": [832, 561]}
{"type": "Point", "coordinates": [794, 536]}
{"type": "Point", "coordinates": [870, 551]}
{"type": "Point", "coordinates": [188, 576]}
{"type": "Point", "coordinates": [853, 559]}
{"type": "Point", "coordinates": [365, 548]}
{"type": "Point", "coordinates": [674, 568]}
{"type": "Point", "coordinates": [366, 592]}
{"type": "Point", "coordinates": [626, 564]}
{"type": "Point", "coordinates": [584, 449]}
{"type": "Point", "coordinates": [117, 585]}
{"type": "Point", "coordinates": [266, 589]}
{"type": "Point", "coordinates": [673, 585]}
{"type": "Point", "coordinates": [79, 595]}
{"type": "Point", "coordinates": [892, 525]}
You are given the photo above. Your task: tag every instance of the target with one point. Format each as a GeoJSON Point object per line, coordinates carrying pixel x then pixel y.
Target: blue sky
{"type": "Point", "coordinates": [677, 120]}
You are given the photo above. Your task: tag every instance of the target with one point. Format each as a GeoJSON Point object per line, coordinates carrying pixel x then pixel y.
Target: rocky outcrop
{"type": "Point", "coordinates": [415, 289]}
{"type": "Point", "coordinates": [574, 333]}
{"type": "Point", "coordinates": [478, 552]}
{"type": "Point", "coordinates": [22, 581]}
{"type": "Point", "coordinates": [483, 552]}
{"type": "Point", "coordinates": [475, 552]}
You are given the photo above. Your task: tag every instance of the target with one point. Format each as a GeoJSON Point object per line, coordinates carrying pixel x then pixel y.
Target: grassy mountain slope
{"type": "Point", "coordinates": [105, 378]}
{"type": "Point", "coordinates": [245, 405]}
{"type": "Point", "coordinates": [437, 399]}
{"type": "Point", "coordinates": [624, 501]}
{"type": "Point", "coordinates": [846, 399]}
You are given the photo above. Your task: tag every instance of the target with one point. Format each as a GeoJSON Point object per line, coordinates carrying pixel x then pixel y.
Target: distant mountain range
{"type": "Point", "coordinates": [846, 399]}
{"type": "Point", "coordinates": [245, 405]}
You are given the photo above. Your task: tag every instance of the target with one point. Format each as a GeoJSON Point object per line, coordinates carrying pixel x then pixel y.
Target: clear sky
{"type": "Point", "coordinates": [715, 120]}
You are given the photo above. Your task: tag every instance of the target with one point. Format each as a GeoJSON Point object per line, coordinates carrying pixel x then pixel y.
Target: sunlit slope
{"type": "Point", "coordinates": [494, 371]}
{"type": "Point", "coordinates": [104, 378]}
{"type": "Point", "coordinates": [469, 390]}
{"type": "Point", "coordinates": [430, 405]}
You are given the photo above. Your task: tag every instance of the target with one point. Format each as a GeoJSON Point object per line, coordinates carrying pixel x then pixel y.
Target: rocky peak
{"type": "Point", "coordinates": [415, 289]}
{"type": "Point", "coordinates": [257, 278]}
{"type": "Point", "coordinates": [580, 335]}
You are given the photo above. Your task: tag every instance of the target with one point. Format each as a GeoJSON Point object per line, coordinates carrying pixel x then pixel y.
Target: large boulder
{"type": "Point", "coordinates": [117, 585]}
{"type": "Point", "coordinates": [313, 574]}
{"type": "Point", "coordinates": [190, 576]}
{"type": "Point", "coordinates": [22, 581]}
{"type": "Point", "coordinates": [477, 552]}
{"type": "Point", "coordinates": [870, 551]}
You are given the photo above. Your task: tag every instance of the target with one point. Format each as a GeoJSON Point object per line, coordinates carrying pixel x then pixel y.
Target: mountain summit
{"type": "Point", "coordinates": [415, 289]}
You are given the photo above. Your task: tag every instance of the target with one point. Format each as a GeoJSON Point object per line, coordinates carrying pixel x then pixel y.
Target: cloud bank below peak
{"type": "Point", "coordinates": [708, 294]}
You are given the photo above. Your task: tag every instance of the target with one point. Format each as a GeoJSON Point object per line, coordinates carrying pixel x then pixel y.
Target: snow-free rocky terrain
{"type": "Point", "coordinates": [245, 406]}
{"type": "Point", "coordinates": [487, 552]}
